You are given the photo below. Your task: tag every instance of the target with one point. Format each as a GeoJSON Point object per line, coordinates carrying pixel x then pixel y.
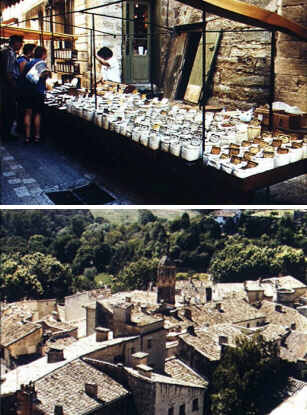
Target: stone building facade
{"type": "Point", "coordinates": [241, 77]}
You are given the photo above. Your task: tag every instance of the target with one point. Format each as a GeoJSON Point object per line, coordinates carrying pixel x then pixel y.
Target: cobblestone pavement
{"type": "Point", "coordinates": [31, 171]}
{"type": "Point", "coordinates": [17, 186]}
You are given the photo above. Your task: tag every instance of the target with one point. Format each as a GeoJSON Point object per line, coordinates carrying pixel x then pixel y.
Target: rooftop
{"type": "Point", "coordinates": [287, 282]}
{"type": "Point", "coordinates": [176, 380]}
{"type": "Point", "coordinates": [296, 346]}
{"type": "Point", "coordinates": [40, 367]}
{"type": "Point", "coordinates": [15, 328]}
{"type": "Point", "coordinates": [284, 318]}
{"type": "Point", "coordinates": [178, 370]}
{"type": "Point", "coordinates": [296, 404]}
{"type": "Point", "coordinates": [233, 310]}
{"type": "Point", "coordinates": [66, 386]}
{"type": "Point", "coordinates": [60, 343]}
{"type": "Point", "coordinates": [61, 326]}
{"type": "Point", "coordinates": [206, 341]}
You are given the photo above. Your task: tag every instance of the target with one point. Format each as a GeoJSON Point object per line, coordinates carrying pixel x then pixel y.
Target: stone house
{"type": "Point", "coordinates": [19, 338]}
{"type": "Point", "coordinates": [179, 390]}
{"type": "Point", "coordinates": [124, 320]}
{"type": "Point", "coordinates": [150, 51]}
{"type": "Point", "coordinates": [76, 388]}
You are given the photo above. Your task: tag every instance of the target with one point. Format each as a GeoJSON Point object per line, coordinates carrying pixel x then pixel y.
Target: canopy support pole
{"type": "Point", "coordinates": [91, 61]}
{"type": "Point", "coordinates": [94, 58]}
{"type": "Point", "coordinates": [272, 78]}
{"type": "Point", "coordinates": [203, 103]}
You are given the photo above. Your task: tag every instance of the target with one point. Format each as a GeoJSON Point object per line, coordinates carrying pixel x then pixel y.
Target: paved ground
{"type": "Point", "coordinates": [31, 171]}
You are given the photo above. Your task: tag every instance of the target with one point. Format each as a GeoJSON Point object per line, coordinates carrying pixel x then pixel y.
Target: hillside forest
{"type": "Point", "coordinates": [54, 253]}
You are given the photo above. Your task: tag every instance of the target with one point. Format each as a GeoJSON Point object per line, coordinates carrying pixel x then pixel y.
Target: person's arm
{"type": "Point", "coordinates": [10, 61]}
{"type": "Point", "coordinates": [22, 65]}
{"type": "Point", "coordinates": [102, 61]}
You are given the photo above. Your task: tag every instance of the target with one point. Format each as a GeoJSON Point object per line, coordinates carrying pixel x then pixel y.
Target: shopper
{"type": "Point", "coordinates": [9, 73]}
{"type": "Point", "coordinates": [109, 66]}
{"type": "Point", "coordinates": [33, 88]}
{"type": "Point", "coordinates": [22, 60]}
{"type": "Point", "coordinates": [27, 55]}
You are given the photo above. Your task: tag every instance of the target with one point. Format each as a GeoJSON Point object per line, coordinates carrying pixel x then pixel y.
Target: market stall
{"type": "Point", "coordinates": [227, 147]}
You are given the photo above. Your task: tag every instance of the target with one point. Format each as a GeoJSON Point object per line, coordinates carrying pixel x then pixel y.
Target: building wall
{"type": "Point", "coordinates": [74, 306]}
{"type": "Point", "coordinates": [103, 24]}
{"type": "Point", "coordinates": [26, 345]}
{"type": "Point", "coordinates": [45, 307]}
{"type": "Point", "coordinates": [168, 396]}
{"type": "Point", "coordinates": [125, 350]}
{"type": "Point", "coordinates": [144, 394]}
{"type": "Point", "coordinates": [194, 359]}
{"type": "Point", "coordinates": [291, 59]}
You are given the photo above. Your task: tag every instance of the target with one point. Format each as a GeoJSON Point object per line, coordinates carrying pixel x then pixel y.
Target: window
{"type": "Point", "coordinates": [171, 411]}
{"type": "Point", "coordinates": [182, 409]}
{"type": "Point", "coordinates": [195, 405]}
{"type": "Point", "coordinates": [149, 343]}
{"type": "Point", "coordinates": [248, 325]}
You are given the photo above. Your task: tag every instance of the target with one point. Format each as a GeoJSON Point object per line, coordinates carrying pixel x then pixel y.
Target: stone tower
{"type": "Point", "coordinates": [166, 280]}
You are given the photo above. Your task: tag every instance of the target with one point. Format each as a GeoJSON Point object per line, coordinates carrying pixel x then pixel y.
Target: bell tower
{"type": "Point", "coordinates": [166, 280]}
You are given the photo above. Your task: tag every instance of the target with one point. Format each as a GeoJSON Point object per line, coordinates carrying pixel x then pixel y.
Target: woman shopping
{"type": "Point", "coordinates": [33, 88]}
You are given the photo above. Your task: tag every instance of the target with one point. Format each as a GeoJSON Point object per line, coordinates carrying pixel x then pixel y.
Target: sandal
{"type": "Point", "coordinates": [27, 140]}
{"type": "Point", "coordinates": [37, 139]}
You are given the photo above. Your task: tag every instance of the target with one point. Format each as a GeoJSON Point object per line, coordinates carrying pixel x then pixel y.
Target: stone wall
{"type": "Point", "coordinates": [291, 59]}
{"type": "Point", "coordinates": [243, 65]}
{"type": "Point", "coordinates": [175, 396]}
{"type": "Point", "coordinates": [124, 349]}
{"type": "Point", "coordinates": [102, 24]}
{"type": "Point", "coordinates": [26, 345]}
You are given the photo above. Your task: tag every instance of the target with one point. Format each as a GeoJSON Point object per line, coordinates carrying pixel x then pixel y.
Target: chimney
{"type": "Point", "coordinates": [55, 355]}
{"type": "Point", "coordinates": [223, 340]}
{"type": "Point", "coordinates": [58, 410]}
{"type": "Point", "coordinates": [278, 308]}
{"type": "Point", "coordinates": [91, 389]}
{"type": "Point", "coordinates": [102, 334]}
{"type": "Point", "coordinates": [144, 370]}
{"type": "Point", "coordinates": [191, 330]}
{"type": "Point", "coordinates": [139, 358]}
{"type": "Point", "coordinates": [25, 397]}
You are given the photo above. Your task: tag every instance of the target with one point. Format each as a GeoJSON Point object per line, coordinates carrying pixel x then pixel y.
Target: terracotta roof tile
{"type": "Point", "coordinates": [66, 387]}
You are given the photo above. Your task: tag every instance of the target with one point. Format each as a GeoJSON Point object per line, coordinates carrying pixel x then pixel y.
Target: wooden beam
{"type": "Point", "coordinates": [30, 34]}
{"type": "Point", "coordinates": [249, 14]}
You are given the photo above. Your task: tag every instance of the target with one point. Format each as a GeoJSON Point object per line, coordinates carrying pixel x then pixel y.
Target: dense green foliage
{"type": "Point", "coordinates": [52, 253]}
{"type": "Point", "coordinates": [249, 379]}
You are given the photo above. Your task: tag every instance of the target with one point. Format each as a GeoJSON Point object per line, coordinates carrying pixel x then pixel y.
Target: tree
{"type": "Point", "coordinates": [185, 220]}
{"type": "Point", "coordinates": [138, 274]}
{"type": "Point", "coordinates": [249, 378]}
{"type": "Point", "coordinates": [37, 243]}
{"type": "Point", "coordinates": [78, 224]}
{"type": "Point", "coordinates": [242, 259]}
{"type": "Point", "coordinates": [146, 216]}
{"type": "Point", "coordinates": [35, 275]}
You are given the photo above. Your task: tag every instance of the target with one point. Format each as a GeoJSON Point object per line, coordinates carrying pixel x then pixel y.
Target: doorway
{"type": "Point", "coordinates": [137, 41]}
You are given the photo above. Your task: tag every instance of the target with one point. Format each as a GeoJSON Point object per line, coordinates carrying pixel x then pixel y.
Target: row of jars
{"type": "Point", "coordinates": [231, 145]}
